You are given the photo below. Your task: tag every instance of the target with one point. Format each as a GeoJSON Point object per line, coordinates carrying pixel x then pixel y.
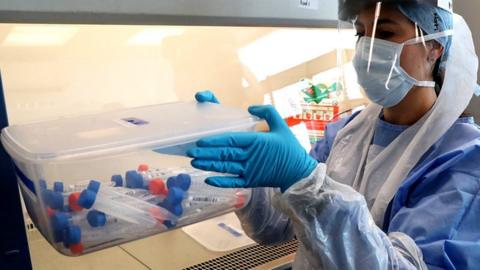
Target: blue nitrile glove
{"type": "Point", "coordinates": [259, 159]}
{"type": "Point", "coordinates": [206, 96]}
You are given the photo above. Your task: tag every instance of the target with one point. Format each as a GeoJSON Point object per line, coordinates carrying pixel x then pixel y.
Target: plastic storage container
{"type": "Point", "coordinates": [96, 181]}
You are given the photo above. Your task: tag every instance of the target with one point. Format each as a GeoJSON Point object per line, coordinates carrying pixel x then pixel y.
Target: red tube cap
{"type": "Point", "coordinates": [157, 187]}
{"type": "Point", "coordinates": [73, 202]}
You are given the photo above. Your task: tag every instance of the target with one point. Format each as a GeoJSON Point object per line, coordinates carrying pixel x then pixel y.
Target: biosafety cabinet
{"type": "Point", "coordinates": [94, 90]}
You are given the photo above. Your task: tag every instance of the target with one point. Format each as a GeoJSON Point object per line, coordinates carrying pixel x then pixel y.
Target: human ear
{"type": "Point", "coordinates": [435, 52]}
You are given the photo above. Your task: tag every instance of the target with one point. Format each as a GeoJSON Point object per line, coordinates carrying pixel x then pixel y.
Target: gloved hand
{"type": "Point", "coordinates": [206, 96]}
{"type": "Point", "coordinates": [259, 159]}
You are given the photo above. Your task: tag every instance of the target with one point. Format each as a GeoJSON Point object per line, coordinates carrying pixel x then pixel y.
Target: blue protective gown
{"type": "Point", "coordinates": [437, 205]}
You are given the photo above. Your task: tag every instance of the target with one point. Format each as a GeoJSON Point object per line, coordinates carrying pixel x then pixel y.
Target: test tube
{"type": "Point", "coordinates": [77, 199]}
{"type": "Point", "coordinates": [189, 196]}
{"type": "Point", "coordinates": [124, 207]}
{"type": "Point", "coordinates": [66, 227]}
{"type": "Point", "coordinates": [85, 230]}
{"type": "Point", "coordinates": [141, 194]}
{"type": "Point", "coordinates": [144, 179]}
{"type": "Point", "coordinates": [107, 228]}
{"type": "Point", "coordinates": [65, 198]}
{"type": "Point", "coordinates": [195, 186]}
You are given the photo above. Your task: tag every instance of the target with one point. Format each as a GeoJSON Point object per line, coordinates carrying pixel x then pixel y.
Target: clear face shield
{"type": "Point", "coordinates": [400, 45]}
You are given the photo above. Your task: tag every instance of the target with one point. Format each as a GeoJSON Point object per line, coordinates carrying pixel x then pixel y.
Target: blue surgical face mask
{"type": "Point", "coordinates": [377, 63]}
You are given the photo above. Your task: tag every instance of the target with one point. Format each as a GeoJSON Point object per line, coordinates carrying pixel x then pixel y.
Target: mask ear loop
{"type": "Point", "coordinates": [417, 34]}
{"type": "Point", "coordinates": [378, 8]}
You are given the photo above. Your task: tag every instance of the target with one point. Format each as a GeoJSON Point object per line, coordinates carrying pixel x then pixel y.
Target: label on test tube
{"type": "Point", "coordinates": [129, 208]}
{"type": "Point", "coordinates": [200, 199]}
{"type": "Point", "coordinates": [140, 194]}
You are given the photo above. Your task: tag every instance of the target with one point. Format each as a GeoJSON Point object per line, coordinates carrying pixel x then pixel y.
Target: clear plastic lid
{"type": "Point", "coordinates": [126, 130]}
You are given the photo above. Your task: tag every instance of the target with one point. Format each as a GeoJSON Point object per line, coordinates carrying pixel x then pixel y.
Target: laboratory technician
{"type": "Point", "coordinates": [395, 186]}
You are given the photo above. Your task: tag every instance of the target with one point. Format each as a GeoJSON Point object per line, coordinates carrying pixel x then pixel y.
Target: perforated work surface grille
{"type": "Point", "coordinates": [248, 258]}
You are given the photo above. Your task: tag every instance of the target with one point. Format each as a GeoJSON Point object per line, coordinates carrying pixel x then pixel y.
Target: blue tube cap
{"type": "Point", "coordinates": [57, 201]}
{"type": "Point", "coordinates": [43, 184]}
{"type": "Point", "coordinates": [53, 199]}
{"type": "Point", "coordinates": [46, 194]}
{"type": "Point", "coordinates": [87, 198]}
{"type": "Point", "coordinates": [184, 181]}
{"type": "Point", "coordinates": [59, 221]}
{"type": "Point", "coordinates": [176, 209]}
{"type": "Point", "coordinates": [96, 218]}
{"type": "Point", "coordinates": [72, 235]}
{"type": "Point", "coordinates": [171, 182]}
{"type": "Point", "coordinates": [94, 186]}
{"type": "Point", "coordinates": [58, 187]}
{"type": "Point", "coordinates": [175, 196]}
{"type": "Point", "coordinates": [133, 179]}
{"type": "Point", "coordinates": [117, 180]}
{"type": "Point", "coordinates": [174, 204]}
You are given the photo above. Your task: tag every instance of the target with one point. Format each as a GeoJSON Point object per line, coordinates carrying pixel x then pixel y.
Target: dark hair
{"type": "Point", "coordinates": [437, 77]}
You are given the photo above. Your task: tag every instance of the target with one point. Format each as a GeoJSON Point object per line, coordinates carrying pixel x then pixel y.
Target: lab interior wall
{"type": "Point", "coordinates": [67, 70]}
{"type": "Point", "coordinates": [469, 10]}
{"type": "Point", "coordinates": [98, 68]}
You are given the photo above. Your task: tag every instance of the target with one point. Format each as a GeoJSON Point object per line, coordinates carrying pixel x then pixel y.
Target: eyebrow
{"type": "Point", "coordinates": [379, 22]}
{"type": "Point", "coordinates": [386, 21]}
